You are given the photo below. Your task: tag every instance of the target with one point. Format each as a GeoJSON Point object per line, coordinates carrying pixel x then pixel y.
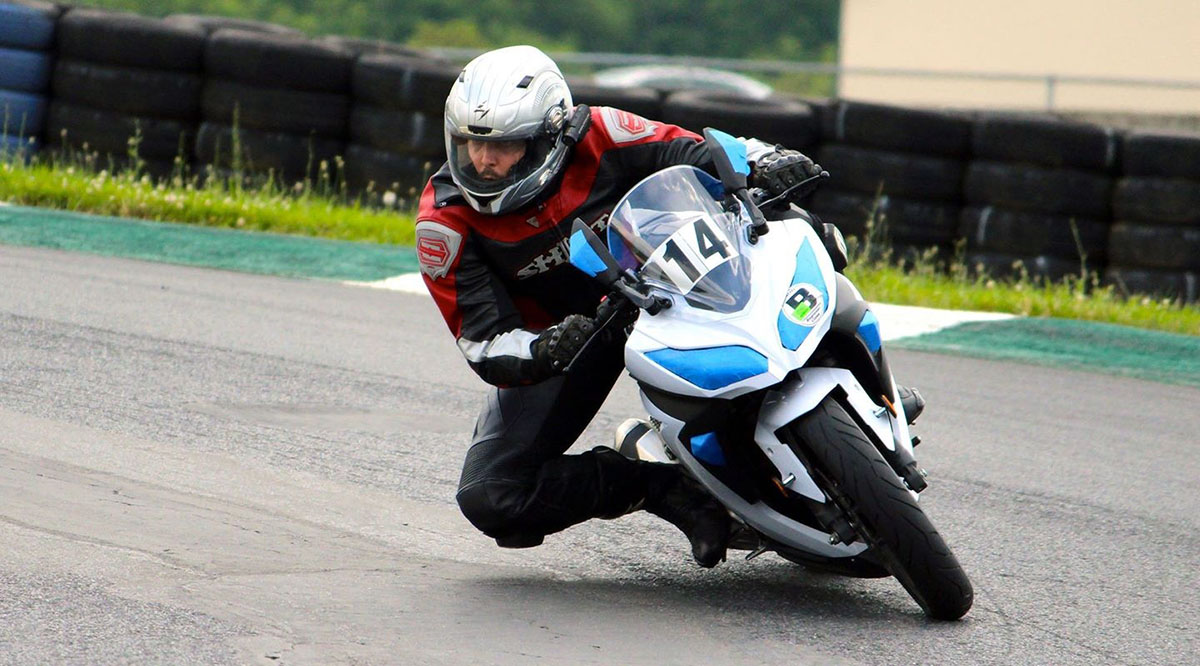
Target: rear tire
{"type": "Point", "coordinates": [882, 509]}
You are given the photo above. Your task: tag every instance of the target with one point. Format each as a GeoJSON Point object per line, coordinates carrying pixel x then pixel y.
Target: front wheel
{"type": "Point", "coordinates": [884, 512]}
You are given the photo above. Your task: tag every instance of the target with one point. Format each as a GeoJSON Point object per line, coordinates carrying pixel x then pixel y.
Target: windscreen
{"type": "Point", "coordinates": [673, 230]}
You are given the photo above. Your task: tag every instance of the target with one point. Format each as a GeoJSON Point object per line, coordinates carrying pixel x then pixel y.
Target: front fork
{"type": "Point", "coordinates": [885, 426]}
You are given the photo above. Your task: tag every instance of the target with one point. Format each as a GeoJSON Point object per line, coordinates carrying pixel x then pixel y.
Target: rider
{"type": "Point", "coordinates": [523, 163]}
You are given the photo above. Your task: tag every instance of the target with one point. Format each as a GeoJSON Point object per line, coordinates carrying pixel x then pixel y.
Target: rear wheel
{"type": "Point", "coordinates": [882, 509]}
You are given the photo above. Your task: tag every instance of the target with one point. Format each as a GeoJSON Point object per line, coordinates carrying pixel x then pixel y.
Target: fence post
{"type": "Point", "coordinates": [1051, 85]}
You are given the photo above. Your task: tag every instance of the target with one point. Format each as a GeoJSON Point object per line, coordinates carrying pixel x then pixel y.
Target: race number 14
{"type": "Point", "coordinates": [691, 252]}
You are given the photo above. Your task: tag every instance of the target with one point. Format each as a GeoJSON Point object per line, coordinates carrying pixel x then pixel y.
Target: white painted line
{"type": "Point", "coordinates": [904, 321]}
{"type": "Point", "coordinates": [895, 321]}
{"type": "Point", "coordinates": [409, 283]}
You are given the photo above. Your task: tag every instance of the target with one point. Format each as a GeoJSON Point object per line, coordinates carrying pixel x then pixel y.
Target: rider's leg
{"type": "Point", "coordinates": [517, 486]}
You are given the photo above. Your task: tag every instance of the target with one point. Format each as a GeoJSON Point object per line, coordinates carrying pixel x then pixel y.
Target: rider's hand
{"type": "Point", "coordinates": [619, 309]}
{"type": "Point", "coordinates": [557, 346]}
{"type": "Point", "coordinates": [775, 172]}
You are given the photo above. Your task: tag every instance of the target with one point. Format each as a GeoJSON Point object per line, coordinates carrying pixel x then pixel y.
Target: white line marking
{"type": "Point", "coordinates": [895, 321]}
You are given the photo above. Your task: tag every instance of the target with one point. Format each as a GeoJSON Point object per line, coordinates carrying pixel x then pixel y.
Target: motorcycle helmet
{"type": "Point", "coordinates": [517, 97]}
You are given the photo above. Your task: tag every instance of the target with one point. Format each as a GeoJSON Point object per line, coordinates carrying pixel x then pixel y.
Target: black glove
{"type": "Point", "coordinates": [777, 171]}
{"type": "Point", "coordinates": [617, 307]}
{"type": "Point", "coordinates": [555, 347]}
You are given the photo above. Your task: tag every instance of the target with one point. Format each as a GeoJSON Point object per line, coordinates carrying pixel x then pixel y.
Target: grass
{"type": "Point", "coordinates": [1081, 298]}
{"type": "Point", "coordinates": [306, 208]}
{"type": "Point", "coordinates": [323, 209]}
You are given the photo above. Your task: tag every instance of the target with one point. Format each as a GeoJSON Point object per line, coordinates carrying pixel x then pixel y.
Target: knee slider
{"type": "Point", "coordinates": [494, 508]}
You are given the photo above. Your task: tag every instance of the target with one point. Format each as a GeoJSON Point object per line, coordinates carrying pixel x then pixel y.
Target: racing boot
{"type": "Point", "coordinates": [682, 501]}
{"type": "Point", "coordinates": [912, 401]}
{"type": "Point", "coordinates": [665, 491]}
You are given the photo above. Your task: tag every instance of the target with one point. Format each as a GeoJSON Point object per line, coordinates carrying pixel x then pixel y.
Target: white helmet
{"type": "Point", "coordinates": [510, 94]}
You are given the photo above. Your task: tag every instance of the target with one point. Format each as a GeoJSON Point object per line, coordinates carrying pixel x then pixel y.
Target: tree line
{"type": "Point", "coordinates": [798, 30]}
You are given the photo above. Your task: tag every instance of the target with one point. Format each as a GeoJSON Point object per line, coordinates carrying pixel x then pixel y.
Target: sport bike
{"type": "Point", "coordinates": [764, 376]}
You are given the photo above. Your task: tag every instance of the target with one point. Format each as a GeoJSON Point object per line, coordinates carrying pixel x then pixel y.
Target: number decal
{"type": "Point", "coordinates": [708, 242]}
{"type": "Point", "coordinates": [691, 253]}
{"type": "Point", "coordinates": [673, 254]}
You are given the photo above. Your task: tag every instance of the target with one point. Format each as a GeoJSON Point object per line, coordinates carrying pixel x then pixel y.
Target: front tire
{"type": "Point", "coordinates": [855, 475]}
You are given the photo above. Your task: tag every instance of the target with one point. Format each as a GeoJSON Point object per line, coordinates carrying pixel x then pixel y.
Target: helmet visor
{"type": "Point", "coordinates": [488, 167]}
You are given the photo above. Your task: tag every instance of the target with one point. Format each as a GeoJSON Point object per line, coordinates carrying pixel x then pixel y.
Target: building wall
{"type": "Point", "coordinates": [1142, 39]}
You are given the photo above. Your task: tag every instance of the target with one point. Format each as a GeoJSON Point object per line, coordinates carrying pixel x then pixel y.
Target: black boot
{"type": "Point", "coordinates": [912, 400]}
{"type": "Point", "coordinates": [683, 502]}
{"type": "Point", "coordinates": [665, 491]}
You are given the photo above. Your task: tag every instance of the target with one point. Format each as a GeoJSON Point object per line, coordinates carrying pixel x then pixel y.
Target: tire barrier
{"type": "Point", "coordinates": [1154, 243]}
{"type": "Point", "coordinates": [1038, 192]}
{"type": "Point", "coordinates": [905, 165]}
{"type": "Point", "coordinates": [1037, 189]}
{"type": "Point", "coordinates": [992, 229]}
{"type": "Point", "coordinates": [126, 90]}
{"type": "Point", "coordinates": [85, 129]}
{"type": "Point", "coordinates": [299, 112]}
{"type": "Point", "coordinates": [1181, 285]}
{"type": "Point", "coordinates": [114, 38]}
{"type": "Point", "coordinates": [287, 96]}
{"type": "Point", "coordinates": [403, 82]}
{"type": "Point", "coordinates": [131, 90]}
{"type": "Point", "coordinates": [22, 114]}
{"type": "Point", "coordinates": [1161, 155]}
{"type": "Point", "coordinates": [405, 132]}
{"type": "Point", "coordinates": [363, 46]}
{"type": "Point", "coordinates": [909, 228]}
{"type": "Point", "coordinates": [210, 24]}
{"type": "Point", "coordinates": [277, 61]}
{"type": "Point", "coordinates": [28, 25]}
{"type": "Point", "coordinates": [778, 120]}
{"type": "Point", "coordinates": [897, 129]}
{"type": "Point", "coordinates": [27, 30]}
{"type": "Point", "coordinates": [282, 155]}
{"type": "Point", "coordinates": [1009, 265]}
{"type": "Point", "coordinates": [1043, 141]}
{"type": "Point", "coordinates": [377, 171]}
{"type": "Point", "coordinates": [645, 102]}
{"type": "Point", "coordinates": [396, 136]}
{"type": "Point", "coordinates": [25, 71]}
{"type": "Point", "coordinates": [903, 175]}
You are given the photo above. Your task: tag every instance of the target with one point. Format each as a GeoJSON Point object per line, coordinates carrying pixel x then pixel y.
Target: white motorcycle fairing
{"type": "Point", "coordinates": [708, 354]}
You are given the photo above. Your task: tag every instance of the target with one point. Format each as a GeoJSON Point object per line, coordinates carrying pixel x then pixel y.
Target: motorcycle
{"type": "Point", "coordinates": [762, 370]}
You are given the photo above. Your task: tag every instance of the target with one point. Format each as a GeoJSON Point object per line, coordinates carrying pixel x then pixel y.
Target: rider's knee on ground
{"type": "Point", "coordinates": [495, 508]}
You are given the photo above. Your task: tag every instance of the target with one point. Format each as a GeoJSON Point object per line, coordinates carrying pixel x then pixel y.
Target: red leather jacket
{"type": "Point", "coordinates": [500, 279]}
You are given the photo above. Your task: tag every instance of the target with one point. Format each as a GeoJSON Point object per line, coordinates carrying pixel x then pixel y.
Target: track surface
{"type": "Point", "coordinates": [199, 466]}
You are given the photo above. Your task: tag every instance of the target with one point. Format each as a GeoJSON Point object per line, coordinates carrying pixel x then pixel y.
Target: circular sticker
{"type": "Point", "coordinates": [804, 304]}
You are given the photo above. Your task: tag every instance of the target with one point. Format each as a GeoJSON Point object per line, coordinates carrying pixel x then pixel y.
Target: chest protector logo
{"type": "Point", "coordinates": [437, 248]}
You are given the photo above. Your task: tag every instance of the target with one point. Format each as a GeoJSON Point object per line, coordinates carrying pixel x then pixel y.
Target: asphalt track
{"type": "Point", "coordinates": [203, 466]}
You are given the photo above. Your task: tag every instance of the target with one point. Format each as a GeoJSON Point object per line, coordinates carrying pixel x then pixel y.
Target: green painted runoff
{"type": "Point", "coordinates": [250, 252]}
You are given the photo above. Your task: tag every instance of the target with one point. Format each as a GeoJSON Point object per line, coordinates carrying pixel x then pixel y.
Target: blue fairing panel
{"type": "Point", "coordinates": [584, 257]}
{"type": "Point", "coordinates": [868, 329]}
{"type": "Point", "coordinates": [713, 367]}
{"type": "Point", "coordinates": [806, 302]}
{"type": "Point", "coordinates": [706, 447]}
